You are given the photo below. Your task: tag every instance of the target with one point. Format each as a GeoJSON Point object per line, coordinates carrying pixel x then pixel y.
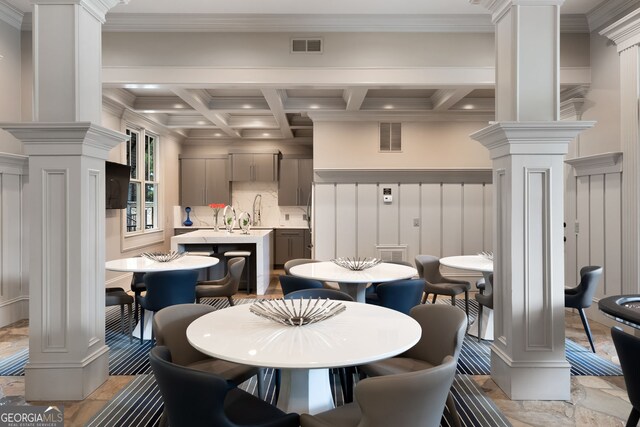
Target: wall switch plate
{"type": "Point", "coordinates": [304, 217]}
{"type": "Point", "coordinates": [416, 222]}
{"type": "Point", "coordinates": [286, 217]}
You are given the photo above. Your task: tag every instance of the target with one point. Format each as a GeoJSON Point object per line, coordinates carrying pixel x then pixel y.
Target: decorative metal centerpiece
{"type": "Point", "coordinates": [297, 312]}
{"type": "Point", "coordinates": [486, 255]}
{"type": "Point", "coordinates": [356, 264]}
{"type": "Point", "coordinates": [163, 257]}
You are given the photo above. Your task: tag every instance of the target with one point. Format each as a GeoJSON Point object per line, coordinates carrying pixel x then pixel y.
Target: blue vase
{"type": "Point", "coordinates": [187, 222]}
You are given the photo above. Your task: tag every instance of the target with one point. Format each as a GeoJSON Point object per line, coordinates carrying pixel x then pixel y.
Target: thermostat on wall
{"type": "Point", "coordinates": [386, 195]}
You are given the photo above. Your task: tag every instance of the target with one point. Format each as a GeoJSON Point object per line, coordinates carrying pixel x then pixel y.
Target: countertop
{"type": "Point", "coordinates": [261, 227]}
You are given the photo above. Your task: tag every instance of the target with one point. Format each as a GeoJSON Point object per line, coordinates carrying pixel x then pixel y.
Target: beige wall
{"type": "Point", "coordinates": [425, 145]}
{"type": "Point", "coordinates": [603, 100]}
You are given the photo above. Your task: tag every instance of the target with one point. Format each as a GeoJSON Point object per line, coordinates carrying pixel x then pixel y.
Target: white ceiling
{"type": "Point", "coordinates": [252, 112]}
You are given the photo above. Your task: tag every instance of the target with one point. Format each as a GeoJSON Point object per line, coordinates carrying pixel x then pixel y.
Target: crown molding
{"type": "Point", "coordinates": [151, 22]}
{"type": "Point", "coordinates": [625, 32]}
{"type": "Point", "coordinates": [11, 15]}
{"type": "Point", "coordinates": [608, 10]}
{"type": "Point", "coordinates": [597, 165]}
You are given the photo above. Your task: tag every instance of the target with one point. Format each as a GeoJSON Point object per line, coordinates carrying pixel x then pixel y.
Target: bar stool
{"type": "Point", "coordinates": [247, 264]}
{"type": "Point", "coordinates": [118, 296]}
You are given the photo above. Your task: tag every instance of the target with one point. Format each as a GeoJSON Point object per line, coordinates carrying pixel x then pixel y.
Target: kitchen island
{"type": "Point", "coordinates": [259, 242]}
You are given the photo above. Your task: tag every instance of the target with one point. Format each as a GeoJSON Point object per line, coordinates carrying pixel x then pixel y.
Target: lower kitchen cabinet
{"type": "Point", "coordinates": [291, 244]}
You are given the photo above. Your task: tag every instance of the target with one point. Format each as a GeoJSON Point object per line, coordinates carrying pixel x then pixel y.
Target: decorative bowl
{"type": "Point", "coordinates": [356, 264]}
{"type": "Point", "coordinates": [163, 257]}
{"type": "Point", "coordinates": [486, 255]}
{"type": "Point", "coordinates": [297, 312]}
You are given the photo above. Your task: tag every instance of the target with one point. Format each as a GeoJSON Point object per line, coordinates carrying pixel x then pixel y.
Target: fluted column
{"type": "Point", "coordinates": [527, 145]}
{"type": "Point", "coordinates": [68, 358]}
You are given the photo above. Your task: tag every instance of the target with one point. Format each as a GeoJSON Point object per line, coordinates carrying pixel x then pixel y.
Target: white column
{"type": "Point", "coordinates": [68, 358]}
{"type": "Point", "coordinates": [626, 34]}
{"type": "Point", "coordinates": [527, 145]}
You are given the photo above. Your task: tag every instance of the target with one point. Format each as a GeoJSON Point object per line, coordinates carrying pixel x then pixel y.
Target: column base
{"type": "Point", "coordinates": [531, 380]}
{"type": "Point", "coordinates": [66, 380]}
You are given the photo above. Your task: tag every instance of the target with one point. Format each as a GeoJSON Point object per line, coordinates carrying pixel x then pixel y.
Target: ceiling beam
{"type": "Point", "coordinates": [354, 96]}
{"type": "Point", "coordinates": [444, 99]}
{"type": "Point", "coordinates": [199, 100]}
{"type": "Point", "coordinates": [275, 98]}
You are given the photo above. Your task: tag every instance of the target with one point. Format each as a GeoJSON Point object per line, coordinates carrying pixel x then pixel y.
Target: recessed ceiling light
{"type": "Point", "coordinates": [388, 107]}
{"type": "Point", "coordinates": [149, 111]}
{"type": "Point", "coordinates": [178, 105]}
{"type": "Point", "coordinates": [468, 107]}
{"type": "Point", "coordinates": [136, 86]}
{"type": "Point", "coordinates": [201, 122]}
{"type": "Point", "coordinates": [217, 134]}
{"type": "Point", "coordinates": [314, 106]}
{"type": "Point", "coordinates": [266, 134]}
{"type": "Point", "coordinates": [247, 106]}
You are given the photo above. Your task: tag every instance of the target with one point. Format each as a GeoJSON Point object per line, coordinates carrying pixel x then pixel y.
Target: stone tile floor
{"type": "Point", "coordinates": [595, 401]}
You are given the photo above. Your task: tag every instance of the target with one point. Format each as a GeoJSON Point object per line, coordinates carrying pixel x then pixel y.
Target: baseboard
{"type": "Point", "coordinates": [13, 310]}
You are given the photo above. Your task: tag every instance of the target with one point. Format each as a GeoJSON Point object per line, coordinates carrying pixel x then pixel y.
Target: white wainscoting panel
{"type": "Point", "coordinates": [596, 199]}
{"type": "Point", "coordinates": [367, 226]}
{"type": "Point", "coordinates": [452, 218]}
{"type": "Point", "coordinates": [14, 299]}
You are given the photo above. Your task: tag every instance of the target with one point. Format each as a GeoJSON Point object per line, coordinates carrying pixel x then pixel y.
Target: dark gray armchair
{"type": "Point", "coordinates": [581, 296]}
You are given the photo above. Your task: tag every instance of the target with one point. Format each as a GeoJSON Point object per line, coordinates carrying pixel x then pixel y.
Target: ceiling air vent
{"type": "Point", "coordinates": [391, 137]}
{"type": "Point", "coordinates": [306, 45]}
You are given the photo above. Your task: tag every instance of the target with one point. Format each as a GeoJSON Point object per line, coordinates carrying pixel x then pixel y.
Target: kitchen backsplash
{"type": "Point", "coordinates": [242, 196]}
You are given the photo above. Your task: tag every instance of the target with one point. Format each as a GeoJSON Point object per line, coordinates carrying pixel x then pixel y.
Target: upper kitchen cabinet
{"type": "Point", "coordinates": [204, 181]}
{"type": "Point", "coordinates": [254, 167]}
{"type": "Point", "coordinates": [296, 176]}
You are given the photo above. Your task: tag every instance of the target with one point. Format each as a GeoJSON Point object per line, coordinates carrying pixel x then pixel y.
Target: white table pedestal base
{"type": "Point", "coordinates": [487, 325]}
{"type": "Point", "coordinates": [356, 291]}
{"type": "Point", "coordinates": [305, 391]}
{"type": "Point", "coordinates": [148, 326]}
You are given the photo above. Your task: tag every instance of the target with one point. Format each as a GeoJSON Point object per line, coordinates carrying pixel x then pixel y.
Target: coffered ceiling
{"type": "Point", "coordinates": [253, 112]}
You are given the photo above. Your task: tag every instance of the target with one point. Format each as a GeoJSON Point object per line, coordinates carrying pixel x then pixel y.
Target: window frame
{"type": "Point", "coordinates": [144, 236]}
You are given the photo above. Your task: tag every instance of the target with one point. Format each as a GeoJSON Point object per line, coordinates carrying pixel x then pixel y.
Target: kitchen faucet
{"type": "Point", "coordinates": [257, 207]}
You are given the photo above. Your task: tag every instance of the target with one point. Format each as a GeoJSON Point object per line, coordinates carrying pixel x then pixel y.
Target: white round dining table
{"type": "Point", "coordinates": [141, 264]}
{"type": "Point", "coordinates": [144, 265]}
{"type": "Point", "coordinates": [362, 333]}
{"type": "Point", "coordinates": [484, 266]}
{"type": "Point", "coordinates": [353, 282]}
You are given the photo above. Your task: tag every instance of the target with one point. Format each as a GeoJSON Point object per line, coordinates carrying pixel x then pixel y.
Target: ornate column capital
{"type": "Point", "coordinates": [625, 32]}
{"type": "Point", "coordinates": [97, 8]}
{"type": "Point", "coordinates": [499, 7]}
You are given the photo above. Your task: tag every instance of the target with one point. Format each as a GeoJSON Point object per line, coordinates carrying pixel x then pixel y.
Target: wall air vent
{"type": "Point", "coordinates": [390, 137]}
{"type": "Point", "coordinates": [392, 252]}
{"type": "Point", "coordinates": [306, 45]}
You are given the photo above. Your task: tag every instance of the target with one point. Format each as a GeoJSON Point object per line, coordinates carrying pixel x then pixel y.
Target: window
{"type": "Point", "coordinates": [142, 201]}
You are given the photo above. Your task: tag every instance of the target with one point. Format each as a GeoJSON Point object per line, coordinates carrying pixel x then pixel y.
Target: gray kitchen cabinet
{"type": "Point", "coordinates": [260, 167]}
{"type": "Point", "coordinates": [204, 181]}
{"type": "Point", "coordinates": [290, 244]}
{"type": "Point", "coordinates": [296, 176]}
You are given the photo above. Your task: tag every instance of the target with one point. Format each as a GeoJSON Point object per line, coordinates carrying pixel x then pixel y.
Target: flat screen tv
{"type": "Point", "coordinates": [117, 185]}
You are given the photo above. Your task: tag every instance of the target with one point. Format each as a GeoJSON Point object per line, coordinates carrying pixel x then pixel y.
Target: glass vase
{"type": "Point", "coordinates": [216, 227]}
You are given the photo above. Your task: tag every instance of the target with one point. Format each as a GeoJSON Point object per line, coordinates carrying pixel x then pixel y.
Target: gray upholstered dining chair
{"type": "Point", "coordinates": [225, 287]}
{"type": "Point", "coordinates": [411, 399]}
{"type": "Point", "coordinates": [435, 283]}
{"type": "Point", "coordinates": [443, 329]}
{"type": "Point", "coordinates": [170, 329]}
{"type": "Point", "coordinates": [581, 296]}
{"type": "Point", "coordinates": [294, 283]}
{"type": "Point", "coordinates": [628, 349]}
{"type": "Point", "coordinates": [297, 261]}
